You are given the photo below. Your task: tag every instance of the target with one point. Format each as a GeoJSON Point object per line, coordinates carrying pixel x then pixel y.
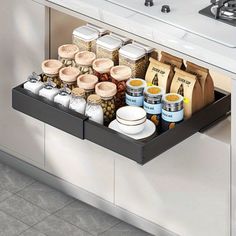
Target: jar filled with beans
{"type": "Point", "coordinates": [84, 61]}
{"type": "Point", "coordinates": [87, 82]}
{"type": "Point", "coordinates": [102, 67]}
{"type": "Point", "coordinates": [51, 70]}
{"type": "Point", "coordinates": [107, 92]}
{"type": "Point", "coordinates": [119, 76]}
{"type": "Point", "coordinates": [66, 54]}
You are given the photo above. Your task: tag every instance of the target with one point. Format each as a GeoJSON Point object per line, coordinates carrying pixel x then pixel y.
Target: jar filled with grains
{"type": "Point", "coordinates": [108, 47]}
{"type": "Point", "coordinates": [107, 92]}
{"type": "Point", "coordinates": [87, 82]}
{"type": "Point", "coordinates": [66, 54]}
{"type": "Point", "coordinates": [51, 70]}
{"type": "Point", "coordinates": [78, 102]}
{"type": "Point", "coordinates": [94, 109]}
{"type": "Point", "coordinates": [134, 57]}
{"type": "Point", "coordinates": [119, 76]}
{"type": "Point", "coordinates": [84, 61]}
{"type": "Point", "coordinates": [85, 38]}
{"type": "Point", "coordinates": [102, 67]}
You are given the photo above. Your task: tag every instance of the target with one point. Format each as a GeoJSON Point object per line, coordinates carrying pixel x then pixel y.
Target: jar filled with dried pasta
{"type": "Point", "coordinates": [85, 38]}
{"type": "Point", "coordinates": [119, 76]}
{"type": "Point", "coordinates": [66, 54]}
{"type": "Point", "coordinates": [134, 57]}
{"type": "Point", "coordinates": [108, 47]}
{"type": "Point", "coordinates": [87, 82]}
{"type": "Point", "coordinates": [84, 61]}
{"type": "Point", "coordinates": [102, 67]}
{"type": "Point", "coordinates": [107, 92]}
{"type": "Point", "coordinates": [51, 70]}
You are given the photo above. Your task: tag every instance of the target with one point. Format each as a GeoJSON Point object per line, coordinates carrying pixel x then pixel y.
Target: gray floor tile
{"type": "Point", "coordinates": [23, 210]}
{"type": "Point", "coordinates": [4, 194]}
{"type": "Point", "coordinates": [32, 232]}
{"type": "Point", "coordinates": [12, 180]}
{"type": "Point", "coordinates": [87, 218]}
{"type": "Point", "coordinates": [9, 226]}
{"type": "Point", "coordinates": [124, 229]}
{"type": "Point", "coordinates": [53, 226]}
{"type": "Point", "coordinates": [45, 197]}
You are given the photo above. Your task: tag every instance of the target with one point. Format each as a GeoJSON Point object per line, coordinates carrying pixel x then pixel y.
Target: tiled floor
{"type": "Point", "coordinates": [29, 208]}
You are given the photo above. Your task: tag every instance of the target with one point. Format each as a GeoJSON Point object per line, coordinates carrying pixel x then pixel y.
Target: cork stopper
{"type": "Point", "coordinates": [51, 66]}
{"type": "Point", "coordinates": [68, 51]}
{"type": "Point", "coordinates": [85, 58]}
{"type": "Point", "coordinates": [106, 89]}
{"type": "Point", "coordinates": [103, 65]}
{"type": "Point", "coordinates": [95, 99]}
{"type": "Point", "coordinates": [78, 92]}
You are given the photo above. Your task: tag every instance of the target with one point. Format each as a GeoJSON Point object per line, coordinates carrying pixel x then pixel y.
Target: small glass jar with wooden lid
{"type": "Point", "coordinates": [66, 54]}
{"type": "Point", "coordinates": [78, 102]}
{"type": "Point", "coordinates": [84, 61]}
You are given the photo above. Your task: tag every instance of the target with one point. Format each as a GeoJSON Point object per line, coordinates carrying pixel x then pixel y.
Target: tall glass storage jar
{"type": "Point", "coordinates": [68, 76]}
{"type": "Point", "coordinates": [84, 61]}
{"type": "Point", "coordinates": [66, 54]}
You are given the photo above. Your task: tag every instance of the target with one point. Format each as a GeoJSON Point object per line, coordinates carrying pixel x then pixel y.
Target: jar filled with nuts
{"type": "Point", "coordinates": [107, 92]}
{"type": "Point", "coordinates": [78, 102]}
{"type": "Point", "coordinates": [108, 47]}
{"type": "Point", "coordinates": [84, 61]}
{"type": "Point", "coordinates": [85, 38]}
{"type": "Point", "coordinates": [102, 67]}
{"type": "Point", "coordinates": [66, 54]}
{"type": "Point", "coordinates": [134, 57]}
{"type": "Point", "coordinates": [87, 82]}
{"type": "Point", "coordinates": [51, 70]}
{"type": "Point", "coordinates": [119, 76]}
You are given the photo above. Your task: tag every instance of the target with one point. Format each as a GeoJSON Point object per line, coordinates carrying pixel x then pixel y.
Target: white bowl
{"type": "Point", "coordinates": [131, 129]}
{"type": "Point", "coordinates": [131, 115]}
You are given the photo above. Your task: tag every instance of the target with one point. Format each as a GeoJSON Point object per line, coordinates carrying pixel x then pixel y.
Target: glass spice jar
{"type": "Point", "coordinates": [66, 54]}
{"type": "Point", "coordinates": [107, 92]}
{"type": "Point", "coordinates": [87, 82]}
{"type": "Point", "coordinates": [94, 109]}
{"type": "Point", "coordinates": [34, 83]}
{"type": "Point", "coordinates": [134, 92]}
{"type": "Point", "coordinates": [49, 91]}
{"type": "Point", "coordinates": [102, 67]}
{"type": "Point", "coordinates": [63, 97]}
{"type": "Point", "coordinates": [84, 61]}
{"type": "Point", "coordinates": [51, 70]}
{"type": "Point", "coordinates": [78, 102]}
{"type": "Point", "coordinates": [119, 76]}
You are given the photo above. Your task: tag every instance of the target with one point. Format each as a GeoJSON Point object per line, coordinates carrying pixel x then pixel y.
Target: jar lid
{"type": "Point", "coordinates": [68, 51]}
{"type": "Point", "coordinates": [86, 33]}
{"type": "Point", "coordinates": [110, 43]}
{"type": "Point", "coordinates": [132, 52]}
{"type": "Point", "coordinates": [85, 58]}
{"type": "Point", "coordinates": [103, 65]}
{"type": "Point", "coordinates": [120, 73]}
{"type": "Point", "coordinates": [106, 89]}
{"type": "Point", "coordinates": [124, 39]}
{"type": "Point", "coordinates": [136, 83]}
{"type": "Point", "coordinates": [101, 31]}
{"type": "Point", "coordinates": [78, 92]}
{"type": "Point", "coordinates": [69, 74]}
{"type": "Point", "coordinates": [148, 49]}
{"type": "Point", "coordinates": [154, 91]}
{"type": "Point", "coordinates": [87, 81]}
{"type": "Point", "coordinates": [51, 66]}
{"type": "Point", "coordinates": [94, 98]}
{"type": "Point", "coordinates": [172, 99]}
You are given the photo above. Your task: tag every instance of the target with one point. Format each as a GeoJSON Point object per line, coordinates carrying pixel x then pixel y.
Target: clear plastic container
{"type": "Point", "coordinates": [124, 39]}
{"type": "Point", "coordinates": [66, 54]}
{"type": "Point", "coordinates": [78, 102]}
{"type": "Point", "coordinates": [34, 83]}
{"type": "Point", "coordinates": [84, 61]}
{"type": "Point", "coordinates": [101, 31]}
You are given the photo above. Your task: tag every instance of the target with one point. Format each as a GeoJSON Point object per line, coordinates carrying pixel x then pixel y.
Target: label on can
{"type": "Point", "coordinates": [171, 116]}
{"type": "Point", "coordinates": [153, 109]}
{"type": "Point", "coordinates": [134, 101]}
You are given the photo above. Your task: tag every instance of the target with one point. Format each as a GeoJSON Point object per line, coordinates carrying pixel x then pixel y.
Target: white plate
{"type": "Point", "coordinates": [149, 130]}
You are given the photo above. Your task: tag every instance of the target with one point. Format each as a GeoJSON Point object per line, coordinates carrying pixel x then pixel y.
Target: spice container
{"type": "Point", "coordinates": [63, 97]}
{"type": "Point", "coordinates": [134, 92]}
{"type": "Point", "coordinates": [49, 90]}
{"type": "Point", "coordinates": [94, 109]}
{"type": "Point", "coordinates": [124, 39]}
{"type": "Point", "coordinates": [84, 61]}
{"type": "Point", "coordinates": [69, 75]}
{"type": "Point", "coordinates": [172, 110]}
{"type": "Point", "coordinates": [119, 76]}
{"type": "Point", "coordinates": [107, 91]}
{"type": "Point", "coordinates": [134, 57]}
{"type": "Point", "coordinates": [85, 38]}
{"type": "Point", "coordinates": [87, 82]}
{"type": "Point", "coordinates": [152, 103]}
{"type": "Point", "coordinates": [108, 47]}
{"type": "Point", "coordinates": [101, 31]}
{"type": "Point", "coordinates": [51, 70]}
{"type": "Point", "coordinates": [34, 83]}
{"type": "Point", "coordinates": [67, 54]}
{"type": "Point", "coordinates": [78, 102]}
{"type": "Point", "coordinates": [102, 67]}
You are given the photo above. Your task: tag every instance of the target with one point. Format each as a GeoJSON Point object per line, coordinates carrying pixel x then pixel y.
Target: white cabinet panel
{"type": "Point", "coordinates": [22, 48]}
{"type": "Point", "coordinates": [80, 162]}
{"type": "Point", "coordinates": [185, 190]}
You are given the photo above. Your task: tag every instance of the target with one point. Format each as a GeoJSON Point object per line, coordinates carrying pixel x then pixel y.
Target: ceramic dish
{"type": "Point", "coordinates": [131, 129]}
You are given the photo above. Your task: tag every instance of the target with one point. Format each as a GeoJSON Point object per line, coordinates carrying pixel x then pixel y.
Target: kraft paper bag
{"type": "Point", "coordinates": [172, 60]}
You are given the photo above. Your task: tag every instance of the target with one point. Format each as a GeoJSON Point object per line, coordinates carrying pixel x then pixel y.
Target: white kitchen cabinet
{"type": "Point", "coordinates": [185, 190]}
{"type": "Point", "coordinates": [22, 49]}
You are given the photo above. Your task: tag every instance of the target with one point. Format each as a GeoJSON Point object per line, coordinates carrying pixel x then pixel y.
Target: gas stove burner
{"type": "Point", "coordinates": [224, 9]}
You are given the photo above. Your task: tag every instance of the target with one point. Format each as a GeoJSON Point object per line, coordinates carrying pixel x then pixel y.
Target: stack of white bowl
{"type": "Point", "coordinates": [131, 119]}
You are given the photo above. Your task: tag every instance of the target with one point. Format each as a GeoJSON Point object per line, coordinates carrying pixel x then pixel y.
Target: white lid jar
{"type": "Point", "coordinates": [84, 61]}
{"type": "Point", "coordinates": [34, 83]}
{"type": "Point", "coordinates": [124, 39]}
{"type": "Point", "coordinates": [101, 31]}
{"type": "Point", "coordinates": [66, 54]}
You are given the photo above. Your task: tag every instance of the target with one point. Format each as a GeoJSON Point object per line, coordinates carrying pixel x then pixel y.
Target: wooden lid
{"type": "Point", "coordinates": [87, 81]}
{"type": "Point", "coordinates": [69, 74]}
{"type": "Point", "coordinates": [51, 66]}
{"type": "Point", "coordinates": [106, 89]}
{"type": "Point", "coordinates": [85, 58]}
{"type": "Point", "coordinates": [68, 51]}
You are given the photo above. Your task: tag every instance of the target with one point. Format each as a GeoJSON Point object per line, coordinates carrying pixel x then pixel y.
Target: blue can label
{"type": "Point", "coordinates": [134, 101]}
{"type": "Point", "coordinates": [153, 109]}
{"type": "Point", "coordinates": [171, 116]}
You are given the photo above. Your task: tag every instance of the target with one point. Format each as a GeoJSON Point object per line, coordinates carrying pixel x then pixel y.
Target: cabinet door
{"type": "Point", "coordinates": [22, 49]}
{"type": "Point", "coordinates": [185, 190]}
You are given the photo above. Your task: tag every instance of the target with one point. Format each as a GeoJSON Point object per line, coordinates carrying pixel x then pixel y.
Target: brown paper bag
{"type": "Point", "coordinates": [205, 81]}
{"type": "Point", "coordinates": [187, 85]}
{"type": "Point", "coordinates": [159, 74]}
{"type": "Point", "coordinates": [172, 60]}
